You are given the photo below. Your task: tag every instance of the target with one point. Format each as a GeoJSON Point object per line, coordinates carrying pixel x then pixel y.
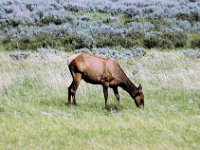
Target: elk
{"type": "Point", "coordinates": [103, 71]}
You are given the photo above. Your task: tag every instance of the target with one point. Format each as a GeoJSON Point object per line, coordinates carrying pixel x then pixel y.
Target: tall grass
{"type": "Point", "coordinates": [33, 114]}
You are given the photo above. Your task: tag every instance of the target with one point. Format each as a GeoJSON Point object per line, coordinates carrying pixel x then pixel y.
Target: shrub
{"type": "Point", "coordinates": [29, 7]}
{"type": "Point", "coordinates": [196, 27]}
{"type": "Point", "coordinates": [50, 19]}
{"type": "Point", "coordinates": [6, 40]}
{"type": "Point", "coordinates": [70, 42]}
{"type": "Point", "coordinates": [32, 43]}
{"type": "Point", "coordinates": [192, 0]}
{"type": "Point", "coordinates": [75, 6]}
{"type": "Point", "coordinates": [146, 26]}
{"type": "Point", "coordinates": [106, 30]}
{"type": "Point", "coordinates": [195, 16]}
{"type": "Point", "coordinates": [195, 43]}
{"type": "Point", "coordinates": [185, 25]}
{"type": "Point", "coordinates": [183, 16]}
{"type": "Point", "coordinates": [6, 43]}
{"type": "Point", "coordinates": [179, 39]}
{"type": "Point", "coordinates": [132, 12]}
{"type": "Point", "coordinates": [55, 17]}
{"type": "Point", "coordinates": [165, 44]}
{"type": "Point", "coordinates": [151, 42]}
{"type": "Point", "coordinates": [135, 34]}
{"type": "Point", "coordinates": [131, 43]}
{"type": "Point", "coordinates": [192, 17]}
{"type": "Point", "coordinates": [134, 38]}
{"type": "Point", "coordinates": [123, 23]}
{"type": "Point", "coordinates": [110, 42]}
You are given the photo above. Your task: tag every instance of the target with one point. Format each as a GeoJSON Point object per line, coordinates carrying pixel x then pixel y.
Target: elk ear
{"type": "Point", "coordinates": [140, 87]}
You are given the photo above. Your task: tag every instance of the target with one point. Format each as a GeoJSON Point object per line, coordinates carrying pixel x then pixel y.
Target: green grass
{"type": "Point", "coordinates": [33, 113]}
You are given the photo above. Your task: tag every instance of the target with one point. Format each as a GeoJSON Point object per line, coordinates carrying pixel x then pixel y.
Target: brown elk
{"type": "Point", "coordinates": [104, 71]}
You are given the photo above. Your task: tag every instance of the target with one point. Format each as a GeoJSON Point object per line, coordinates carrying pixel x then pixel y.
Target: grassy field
{"type": "Point", "coordinates": [34, 115]}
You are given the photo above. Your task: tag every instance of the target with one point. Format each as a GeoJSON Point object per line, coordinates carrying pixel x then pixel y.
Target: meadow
{"type": "Point", "coordinates": [33, 91]}
{"type": "Point", "coordinates": [34, 114]}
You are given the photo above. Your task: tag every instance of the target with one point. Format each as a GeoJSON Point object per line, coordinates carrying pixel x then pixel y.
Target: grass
{"type": "Point", "coordinates": [33, 113]}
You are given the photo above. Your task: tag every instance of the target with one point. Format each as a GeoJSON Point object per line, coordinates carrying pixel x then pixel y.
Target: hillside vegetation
{"type": "Point", "coordinates": [70, 25]}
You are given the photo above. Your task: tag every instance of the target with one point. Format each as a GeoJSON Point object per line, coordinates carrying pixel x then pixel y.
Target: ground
{"type": "Point", "coordinates": [34, 114]}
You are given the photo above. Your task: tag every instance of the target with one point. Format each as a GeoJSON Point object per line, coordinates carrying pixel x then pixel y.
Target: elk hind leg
{"type": "Point", "coordinates": [70, 93]}
{"type": "Point", "coordinates": [76, 81]}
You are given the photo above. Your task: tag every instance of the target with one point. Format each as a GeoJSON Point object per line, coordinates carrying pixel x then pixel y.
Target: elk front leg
{"type": "Point", "coordinates": [115, 90]}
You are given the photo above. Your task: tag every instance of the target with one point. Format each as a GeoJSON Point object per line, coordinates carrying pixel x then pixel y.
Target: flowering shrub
{"type": "Point", "coordinates": [26, 19]}
{"type": "Point", "coordinates": [196, 27]}
{"type": "Point", "coordinates": [146, 26]}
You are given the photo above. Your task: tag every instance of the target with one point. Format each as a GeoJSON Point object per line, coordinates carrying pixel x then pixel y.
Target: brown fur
{"type": "Point", "coordinates": [102, 71]}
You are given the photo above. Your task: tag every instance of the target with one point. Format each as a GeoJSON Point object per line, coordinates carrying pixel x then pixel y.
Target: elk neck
{"type": "Point", "coordinates": [129, 86]}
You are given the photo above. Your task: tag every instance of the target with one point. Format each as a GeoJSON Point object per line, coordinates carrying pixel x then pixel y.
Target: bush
{"type": "Point", "coordinates": [69, 42]}
{"type": "Point", "coordinates": [135, 35]}
{"type": "Point", "coordinates": [49, 20]}
{"type": "Point", "coordinates": [72, 42]}
{"type": "Point", "coordinates": [195, 16]}
{"type": "Point", "coordinates": [146, 26]}
{"type": "Point", "coordinates": [195, 43]}
{"type": "Point", "coordinates": [185, 25]}
{"type": "Point", "coordinates": [183, 16]}
{"type": "Point", "coordinates": [132, 43]}
{"type": "Point", "coordinates": [31, 43]}
{"type": "Point", "coordinates": [151, 42]}
{"type": "Point", "coordinates": [29, 24]}
{"type": "Point", "coordinates": [30, 7]}
{"type": "Point", "coordinates": [132, 12]}
{"type": "Point", "coordinates": [178, 39]}
{"type": "Point", "coordinates": [109, 42]}
{"type": "Point", "coordinates": [134, 38]}
{"type": "Point", "coordinates": [196, 27]}
{"type": "Point", "coordinates": [192, 17]}
{"type": "Point", "coordinates": [165, 44]}
{"type": "Point", "coordinates": [6, 40]}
